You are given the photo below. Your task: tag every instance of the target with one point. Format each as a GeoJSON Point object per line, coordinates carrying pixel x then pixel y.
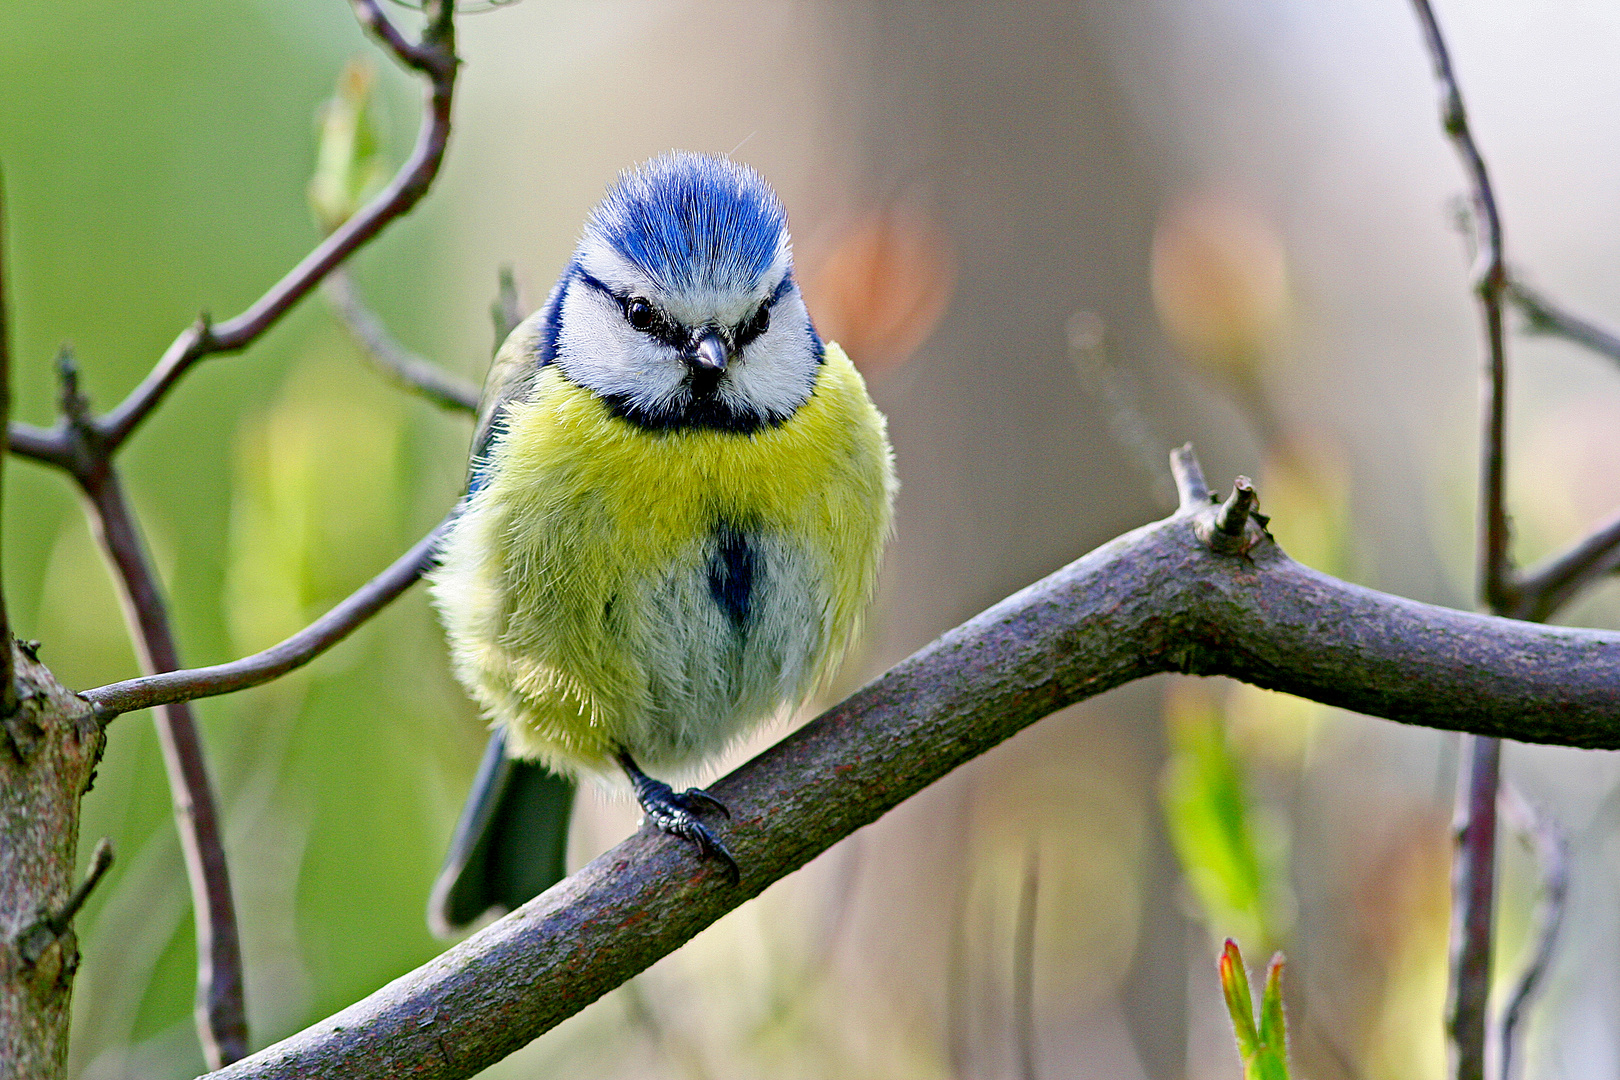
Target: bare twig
{"type": "Point", "coordinates": [39, 936]}
{"type": "Point", "coordinates": [1155, 599]}
{"type": "Point", "coordinates": [1547, 842]}
{"type": "Point", "coordinates": [1473, 890]}
{"type": "Point", "coordinates": [1191, 487]}
{"type": "Point", "coordinates": [1542, 316]}
{"type": "Point", "coordinates": [1024, 967]}
{"type": "Point", "coordinates": [261, 667]}
{"type": "Point", "coordinates": [389, 356]}
{"type": "Point", "coordinates": [1546, 588]}
{"type": "Point", "coordinates": [221, 1010]}
{"type": "Point", "coordinates": [1474, 872]}
{"type": "Point", "coordinates": [8, 676]}
{"type": "Point", "coordinates": [434, 57]}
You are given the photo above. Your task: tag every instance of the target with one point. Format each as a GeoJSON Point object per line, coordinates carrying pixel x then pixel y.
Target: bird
{"type": "Point", "coordinates": [677, 502]}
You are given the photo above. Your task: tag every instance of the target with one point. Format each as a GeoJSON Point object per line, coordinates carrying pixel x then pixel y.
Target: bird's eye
{"type": "Point", "coordinates": [639, 313]}
{"type": "Point", "coordinates": [757, 325]}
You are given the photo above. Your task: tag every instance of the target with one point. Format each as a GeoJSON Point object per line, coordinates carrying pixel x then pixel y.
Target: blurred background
{"type": "Point", "coordinates": [1059, 238]}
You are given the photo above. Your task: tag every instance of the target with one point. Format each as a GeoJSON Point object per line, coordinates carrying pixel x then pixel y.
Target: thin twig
{"type": "Point", "coordinates": [8, 675]}
{"type": "Point", "coordinates": [389, 356]}
{"type": "Point", "coordinates": [261, 667]}
{"type": "Point", "coordinates": [1155, 599]}
{"type": "Point", "coordinates": [1191, 487]}
{"type": "Point", "coordinates": [1546, 588]}
{"type": "Point", "coordinates": [221, 1011]}
{"type": "Point", "coordinates": [38, 937]}
{"type": "Point", "coordinates": [1547, 842]}
{"type": "Point", "coordinates": [1542, 316]}
{"type": "Point", "coordinates": [1024, 967]}
{"type": "Point", "coordinates": [1474, 872]}
{"type": "Point", "coordinates": [1473, 890]}
{"type": "Point", "coordinates": [435, 57]}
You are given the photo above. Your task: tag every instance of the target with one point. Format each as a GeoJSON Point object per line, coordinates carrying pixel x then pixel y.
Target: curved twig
{"type": "Point", "coordinates": [221, 1008]}
{"type": "Point", "coordinates": [1474, 865]}
{"type": "Point", "coordinates": [435, 57]}
{"type": "Point", "coordinates": [1551, 849]}
{"type": "Point", "coordinates": [261, 667]}
{"type": "Point", "coordinates": [1542, 316]}
{"type": "Point", "coordinates": [388, 355]}
{"type": "Point", "coordinates": [1548, 587]}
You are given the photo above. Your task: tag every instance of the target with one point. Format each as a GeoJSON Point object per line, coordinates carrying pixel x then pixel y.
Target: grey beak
{"type": "Point", "coordinates": [711, 353]}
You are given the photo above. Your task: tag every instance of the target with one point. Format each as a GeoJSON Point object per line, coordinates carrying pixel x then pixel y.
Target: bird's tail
{"type": "Point", "coordinates": [509, 846]}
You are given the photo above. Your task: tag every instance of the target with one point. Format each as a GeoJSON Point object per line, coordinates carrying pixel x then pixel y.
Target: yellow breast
{"type": "Point", "coordinates": [579, 587]}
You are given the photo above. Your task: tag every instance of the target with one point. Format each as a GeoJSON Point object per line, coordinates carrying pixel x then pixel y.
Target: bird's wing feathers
{"type": "Point", "coordinates": [511, 376]}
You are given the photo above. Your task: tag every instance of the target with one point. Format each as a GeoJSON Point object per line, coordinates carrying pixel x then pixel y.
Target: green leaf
{"type": "Point", "coordinates": [348, 163]}
{"type": "Point", "coordinates": [1264, 1051]}
{"type": "Point", "coordinates": [1210, 821]}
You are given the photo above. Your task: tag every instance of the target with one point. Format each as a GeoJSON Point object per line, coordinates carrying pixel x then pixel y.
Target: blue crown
{"type": "Point", "coordinates": [693, 221]}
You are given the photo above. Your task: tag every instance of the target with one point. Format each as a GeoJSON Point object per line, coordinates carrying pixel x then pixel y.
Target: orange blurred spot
{"type": "Point", "coordinates": [882, 286]}
{"type": "Point", "coordinates": [1220, 282]}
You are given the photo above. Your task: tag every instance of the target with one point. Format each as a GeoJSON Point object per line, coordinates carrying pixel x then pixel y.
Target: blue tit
{"type": "Point", "coordinates": [676, 506]}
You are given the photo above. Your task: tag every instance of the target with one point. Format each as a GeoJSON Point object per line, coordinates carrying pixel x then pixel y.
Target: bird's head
{"type": "Point", "coordinates": [680, 308]}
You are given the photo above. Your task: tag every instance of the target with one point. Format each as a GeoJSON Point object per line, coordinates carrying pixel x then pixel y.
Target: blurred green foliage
{"type": "Point", "coordinates": [155, 161]}
{"type": "Point", "coordinates": [1230, 853]}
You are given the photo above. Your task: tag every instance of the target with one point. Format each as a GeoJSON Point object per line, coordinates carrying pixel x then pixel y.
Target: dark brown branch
{"type": "Point", "coordinates": [1551, 851]}
{"type": "Point", "coordinates": [435, 58]}
{"type": "Point", "coordinates": [8, 675]}
{"type": "Point", "coordinates": [1490, 280]}
{"type": "Point", "coordinates": [1474, 871]}
{"type": "Point", "coordinates": [389, 356]}
{"type": "Point", "coordinates": [1548, 587]}
{"type": "Point", "coordinates": [1156, 599]}
{"type": "Point", "coordinates": [174, 686]}
{"type": "Point", "coordinates": [221, 1011]}
{"type": "Point", "coordinates": [1542, 316]}
{"type": "Point", "coordinates": [1473, 892]}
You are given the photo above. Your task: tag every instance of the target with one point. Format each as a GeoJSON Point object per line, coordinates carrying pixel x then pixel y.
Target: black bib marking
{"type": "Point", "coordinates": [731, 573]}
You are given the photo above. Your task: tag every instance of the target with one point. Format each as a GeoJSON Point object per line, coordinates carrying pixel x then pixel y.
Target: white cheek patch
{"type": "Point", "coordinates": [774, 373]}
{"type": "Point", "coordinates": [598, 350]}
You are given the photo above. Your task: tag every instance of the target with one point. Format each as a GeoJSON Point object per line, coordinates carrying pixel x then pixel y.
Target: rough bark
{"type": "Point", "coordinates": [48, 753]}
{"type": "Point", "coordinates": [1157, 599]}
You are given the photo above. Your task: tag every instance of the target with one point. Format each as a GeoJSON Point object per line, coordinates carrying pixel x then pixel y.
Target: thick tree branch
{"type": "Point", "coordinates": [168, 687]}
{"type": "Point", "coordinates": [1157, 599]}
{"type": "Point", "coordinates": [48, 751]}
{"type": "Point", "coordinates": [405, 367]}
{"type": "Point", "coordinates": [435, 58]}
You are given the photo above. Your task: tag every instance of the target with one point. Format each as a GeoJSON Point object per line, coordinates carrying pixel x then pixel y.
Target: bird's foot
{"type": "Point", "coordinates": [677, 813]}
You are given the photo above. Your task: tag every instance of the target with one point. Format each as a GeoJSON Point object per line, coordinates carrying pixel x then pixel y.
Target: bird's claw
{"type": "Point", "coordinates": [676, 812]}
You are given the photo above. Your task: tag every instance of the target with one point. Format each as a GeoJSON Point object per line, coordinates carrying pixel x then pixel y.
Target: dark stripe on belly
{"type": "Point", "coordinates": [731, 573]}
